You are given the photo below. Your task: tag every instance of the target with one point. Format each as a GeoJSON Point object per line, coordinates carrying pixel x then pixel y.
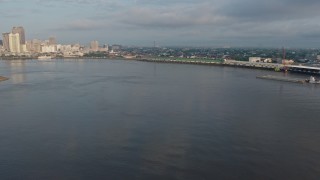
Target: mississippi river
{"type": "Point", "coordinates": [114, 119]}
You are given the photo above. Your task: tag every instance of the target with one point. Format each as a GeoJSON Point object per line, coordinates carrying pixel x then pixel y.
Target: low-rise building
{"type": "Point", "coordinates": [48, 48]}
{"type": "Point", "coordinates": [287, 61]}
{"type": "Point", "coordinates": [267, 60]}
{"type": "Point", "coordinates": [254, 59]}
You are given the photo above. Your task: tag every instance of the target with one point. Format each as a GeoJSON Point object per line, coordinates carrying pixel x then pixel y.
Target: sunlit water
{"type": "Point", "coordinates": [114, 119]}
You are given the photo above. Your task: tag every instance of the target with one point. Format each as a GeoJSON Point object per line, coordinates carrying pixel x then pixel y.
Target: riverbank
{"type": "Point", "coordinates": [217, 62]}
{"type": "Point", "coordinates": [3, 78]}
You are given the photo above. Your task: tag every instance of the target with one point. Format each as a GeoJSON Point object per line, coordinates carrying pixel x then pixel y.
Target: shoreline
{"type": "Point", "coordinates": [229, 63]}
{"type": "Point", "coordinates": [3, 78]}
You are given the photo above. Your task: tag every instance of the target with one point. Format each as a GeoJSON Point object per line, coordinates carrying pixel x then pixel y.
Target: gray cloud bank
{"type": "Point", "coordinates": [226, 21]}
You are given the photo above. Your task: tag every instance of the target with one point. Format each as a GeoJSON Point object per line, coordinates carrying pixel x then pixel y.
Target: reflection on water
{"type": "Point", "coordinates": [108, 119]}
{"type": "Point", "coordinates": [18, 78]}
{"type": "Point", "coordinates": [16, 68]}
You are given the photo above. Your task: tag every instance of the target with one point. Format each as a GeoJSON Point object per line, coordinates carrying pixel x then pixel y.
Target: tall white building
{"type": "Point", "coordinates": [14, 43]}
{"type": "Point", "coordinates": [21, 33]}
{"type": "Point", "coordinates": [94, 45]}
{"type": "Point", "coordinates": [52, 41]}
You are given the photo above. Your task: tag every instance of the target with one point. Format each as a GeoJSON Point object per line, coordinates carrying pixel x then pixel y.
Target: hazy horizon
{"type": "Point", "coordinates": [244, 23]}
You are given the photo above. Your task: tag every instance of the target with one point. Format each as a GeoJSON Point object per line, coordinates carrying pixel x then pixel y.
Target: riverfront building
{"type": "Point", "coordinates": [14, 43]}
{"type": "Point", "coordinates": [254, 59]}
{"type": "Point", "coordinates": [21, 33]}
{"type": "Point", "coordinates": [48, 48]}
{"type": "Point", "coordinates": [52, 41]}
{"type": "Point", "coordinates": [94, 46]}
{"type": "Point", "coordinates": [5, 41]}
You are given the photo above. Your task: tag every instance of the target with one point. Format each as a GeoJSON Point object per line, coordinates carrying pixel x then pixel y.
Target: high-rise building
{"type": "Point", "coordinates": [105, 48]}
{"type": "Point", "coordinates": [5, 41]}
{"type": "Point", "coordinates": [14, 43]}
{"type": "Point", "coordinates": [52, 41]}
{"type": "Point", "coordinates": [34, 46]}
{"type": "Point", "coordinates": [21, 33]}
{"type": "Point", "coordinates": [94, 45]}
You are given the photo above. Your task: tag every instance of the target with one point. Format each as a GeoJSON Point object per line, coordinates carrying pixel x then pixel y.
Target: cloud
{"type": "Point", "coordinates": [18, 12]}
{"type": "Point", "coordinates": [82, 2]}
{"type": "Point", "coordinates": [271, 10]}
{"type": "Point", "coordinates": [173, 17]}
{"type": "Point", "coordinates": [10, 14]}
{"type": "Point", "coordinates": [81, 25]}
{"type": "Point", "coordinates": [193, 20]}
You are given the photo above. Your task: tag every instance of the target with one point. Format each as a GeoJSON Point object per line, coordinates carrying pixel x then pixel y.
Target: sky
{"type": "Point", "coordinates": [201, 23]}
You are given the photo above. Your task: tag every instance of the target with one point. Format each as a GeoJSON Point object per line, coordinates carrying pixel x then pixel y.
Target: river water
{"type": "Point", "coordinates": [116, 119]}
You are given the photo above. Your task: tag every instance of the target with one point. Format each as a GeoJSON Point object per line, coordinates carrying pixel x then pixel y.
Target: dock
{"type": "Point", "coordinates": [277, 78]}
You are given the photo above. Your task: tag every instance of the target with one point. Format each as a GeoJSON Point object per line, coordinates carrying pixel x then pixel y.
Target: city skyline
{"type": "Point", "coordinates": [169, 23]}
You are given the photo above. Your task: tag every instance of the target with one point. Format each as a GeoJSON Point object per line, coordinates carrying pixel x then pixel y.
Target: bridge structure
{"type": "Point", "coordinates": [258, 65]}
{"type": "Point", "coordinates": [244, 64]}
{"type": "Point", "coordinates": [304, 69]}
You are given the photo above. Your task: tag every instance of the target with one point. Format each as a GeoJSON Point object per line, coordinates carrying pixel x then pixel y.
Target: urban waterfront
{"type": "Point", "coordinates": [119, 119]}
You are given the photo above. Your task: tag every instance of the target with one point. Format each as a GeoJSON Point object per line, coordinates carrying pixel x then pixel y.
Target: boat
{"type": "Point", "coordinates": [313, 80]}
{"type": "Point", "coordinates": [44, 57]}
{"type": "Point", "coordinates": [279, 78]}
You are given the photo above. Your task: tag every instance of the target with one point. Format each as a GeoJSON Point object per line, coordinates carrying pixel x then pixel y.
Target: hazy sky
{"type": "Point", "coordinates": [291, 23]}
